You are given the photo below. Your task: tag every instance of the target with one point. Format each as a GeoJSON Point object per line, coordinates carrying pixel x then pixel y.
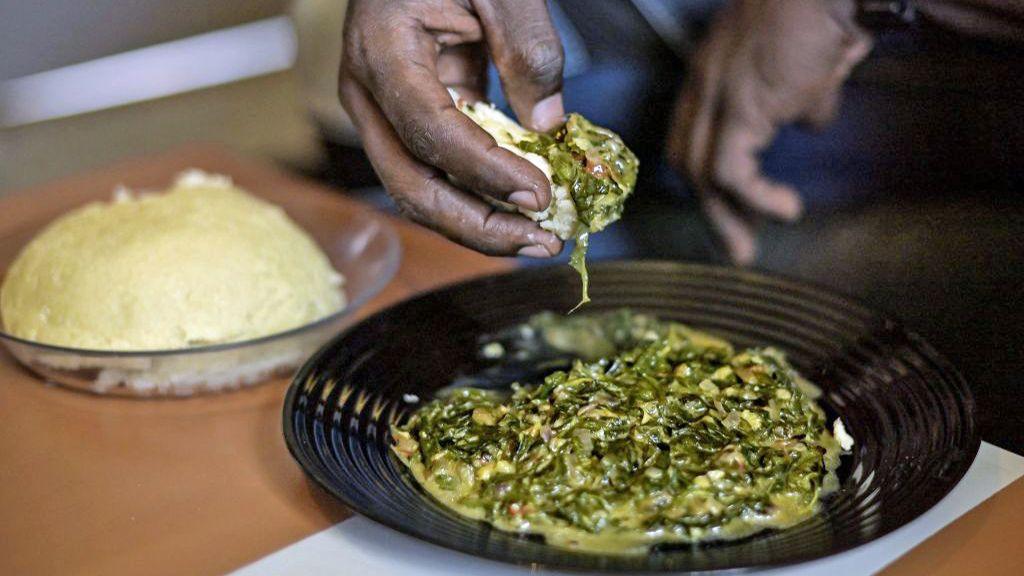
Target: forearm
{"type": "Point", "coordinates": [993, 19]}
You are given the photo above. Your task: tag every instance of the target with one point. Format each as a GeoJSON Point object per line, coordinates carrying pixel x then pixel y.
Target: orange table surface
{"type": "Point", "coordinates": [94, 485]}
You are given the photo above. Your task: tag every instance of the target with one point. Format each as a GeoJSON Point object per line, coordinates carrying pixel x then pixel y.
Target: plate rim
{"type": "Point", "coordinates": [319, 477]}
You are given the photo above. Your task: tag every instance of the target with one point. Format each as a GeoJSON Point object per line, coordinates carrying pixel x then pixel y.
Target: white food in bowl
{"type": "Point", "coordinates": [203, 263]}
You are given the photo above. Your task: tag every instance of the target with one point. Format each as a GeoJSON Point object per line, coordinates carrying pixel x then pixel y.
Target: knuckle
{"type": "Point", "coordinates": [419, 199]}
{"type": "Point", "coordinates": [350, 67]}
{"type": "Point", "coordinates": [407, 208]}
{"type": "Point", "coordinates": [495, 238]}
{"type": "Point", "coordinates": [420, 140]}
{"type": "Point", "coordinates": [541, 61]}
{"type": "Point", "coordinates": [350, 41]}
{"type": "Point", "coordinates": [353, 48]}
{"type": "Point", "coordinates": [359, 64]}
{"type": "Point", "coordinates": [366, 47]}
{"type": "Point", "coordinates": [346, 79]}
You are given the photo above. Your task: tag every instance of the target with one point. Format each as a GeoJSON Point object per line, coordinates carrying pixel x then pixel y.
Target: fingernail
{"type": "Point", "coordinates": [524, 199]}
{"type": "Point", "coordinates": [549, 113]}
{"type": "Point", "coordinates": [535, 251]}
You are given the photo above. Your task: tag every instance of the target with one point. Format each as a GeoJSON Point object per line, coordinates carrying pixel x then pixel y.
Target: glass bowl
{"type": "Point", "coordinates": [359, 243]}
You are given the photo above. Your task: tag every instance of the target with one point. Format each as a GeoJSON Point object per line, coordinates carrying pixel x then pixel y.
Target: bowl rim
{"type": "Point", "coordinates": [393, 259]}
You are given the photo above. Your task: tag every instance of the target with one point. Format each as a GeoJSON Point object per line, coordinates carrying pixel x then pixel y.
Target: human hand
{"type": "Point", "coordinates": [766, 63]}
{"type": "Point", "coordinates": [398, 58]}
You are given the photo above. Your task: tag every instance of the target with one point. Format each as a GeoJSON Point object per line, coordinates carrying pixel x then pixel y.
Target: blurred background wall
{"type": "Point", "coordinates": [263, 112]}
{"type": "Point", "coordinates": [40, 35]}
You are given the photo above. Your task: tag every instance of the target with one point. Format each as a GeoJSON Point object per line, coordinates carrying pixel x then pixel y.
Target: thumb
{"type": "Point", "coordinates": [529, 58]}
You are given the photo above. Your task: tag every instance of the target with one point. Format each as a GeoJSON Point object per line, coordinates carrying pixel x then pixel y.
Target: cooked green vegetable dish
{"type": "Point", "coordinates": [670, 437]}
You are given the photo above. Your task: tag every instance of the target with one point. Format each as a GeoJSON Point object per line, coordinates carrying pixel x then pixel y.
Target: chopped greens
{"type": "Point", "coordinates": [592, 172]}
{"type": "Point", "coordinates": [578, 261]}
{"type": "Point", "coordinates": [667, 436]}
{"type": "Point", "coordinates": [600, 173]}
{"type": "Point", "coordinates": [593, 162]}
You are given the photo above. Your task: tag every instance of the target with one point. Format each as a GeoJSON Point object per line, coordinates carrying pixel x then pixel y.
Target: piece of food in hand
{"type": "Point", "coordinates": [671, 436]}
{"type": "Point", "coordinates": [591, 170]}
{"type": "Point", "coordinates": [202, 263]}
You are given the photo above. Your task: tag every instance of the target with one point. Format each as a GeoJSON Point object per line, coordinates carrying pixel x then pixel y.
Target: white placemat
{"type": "Point", "coordinates": [360, 546]}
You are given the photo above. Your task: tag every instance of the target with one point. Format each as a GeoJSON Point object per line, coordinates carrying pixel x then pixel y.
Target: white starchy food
{"type": "Point", "coordinates": [841, 435]}
{"type": "Point", "coordinates": [560, 216]}
{"type": "Point", "coordinates": [203, 263]}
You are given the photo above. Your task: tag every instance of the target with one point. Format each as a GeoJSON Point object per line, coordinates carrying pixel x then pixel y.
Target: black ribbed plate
{"type": "Point", "coordinates": [910, 411]}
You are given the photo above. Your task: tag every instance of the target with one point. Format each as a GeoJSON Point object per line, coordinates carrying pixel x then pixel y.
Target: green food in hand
{"type": "Point", "coordinates": [591, 170]}
{"type": "Point", "coordinates": [669, 436]}
{"type": "Point", "coordinates": [599, 172]}
{"type": "Point", "coordinates": [595, 165]}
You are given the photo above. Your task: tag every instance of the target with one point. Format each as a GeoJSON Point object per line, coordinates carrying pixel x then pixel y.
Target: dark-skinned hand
{"type": "Point", "coordinates": [765, 64]}
{"type": "Point", "coordinates": [398, 60]}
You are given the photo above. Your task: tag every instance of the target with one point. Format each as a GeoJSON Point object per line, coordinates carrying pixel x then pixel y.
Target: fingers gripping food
{"type": "Point", "coordinates": [591, 171]}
